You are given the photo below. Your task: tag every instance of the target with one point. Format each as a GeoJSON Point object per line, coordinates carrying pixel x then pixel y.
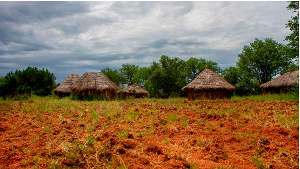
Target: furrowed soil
{"type": "Point", "coordinates": [149, 133]}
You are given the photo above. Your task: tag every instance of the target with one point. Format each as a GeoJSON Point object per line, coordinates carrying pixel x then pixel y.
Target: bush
{"type": "Point", "coordinates": [295, 89]}
{"type": "Point", "coordinates": [27, 82]}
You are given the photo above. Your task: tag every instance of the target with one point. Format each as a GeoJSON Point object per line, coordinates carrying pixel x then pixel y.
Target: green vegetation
{"type": "Point", "coordinates": [122, 134]}
{"type": "Point", "coordinates": [164, 78]}
{"type": "Point", "coordinates": [128, 71]}
{"type": "Point", "coordinates": [282, 96]}
{"type": "Point", "coordinates": [258, 161]}
{"type": "Point", "coordinates": [293, 24]}
{"type": "Point", "coordinates": [257, 64]}
{"type": "Point", "coordinates": [173, 117]}
{"type": "Point", "coordinates": [113, 75]}
{"type": "Point", "coordinates": [29, 81]}
{"type": "Point", "coordinates": [86, 97]}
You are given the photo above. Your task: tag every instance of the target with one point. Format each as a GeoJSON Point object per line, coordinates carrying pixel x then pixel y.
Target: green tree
{"type": "Point", "coordinates": [263, 59]}
{"type": "Point", "coordinates": [128, 71]}
{"type": "Point", "coordinates": [29, 81]}
{"type": "Point", "coordinates": [9, 87]}
{"type": "Point", "coordinates": [113, 75]}
{"type": "Point", "coordinates": [40, 82]}
{"type": "Point", "coordinates": [246, 85]}
{"type": "Point", "coordinates": [2, 83]}
{"type": "Point", "coordinates": [141, 77]}
{"type": "Point", "coordinates": [167, 77]}
{"type": "Point", "coordinates": [154, 85]}
{"type": "Point", "coordinates": [259, 62]}
{"type": "Point", "coordinates": [293, 24]}
{"type": "Point", "coordinates": [231, 75]}
{"type": "Point", "coordinates": [194, 66]}
{"type": "Point", "coordinates": [173, 74]}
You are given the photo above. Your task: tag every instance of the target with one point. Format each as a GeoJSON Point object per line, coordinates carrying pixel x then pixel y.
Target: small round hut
{"type": "Point", "coordinates": [208, 85]}
{"type": "Point", "coordinates": [134, 91]}
{"type": "Point", "coordinates": [64, 89]}
{"type": "Point", "coordinates": [281, 84]}
{"type": "Point", "coordinates": [95, 84]}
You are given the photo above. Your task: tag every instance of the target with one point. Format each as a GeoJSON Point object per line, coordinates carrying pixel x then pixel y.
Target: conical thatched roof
{"type": "Point", "coordinates": [284, 80]}
{"type": "Point", "coordinates": [65, 86]}
{"type": "Point", "coordinates": [208, 79]}
{"type": "Point", "coordinates": [93, 81]}
{"type": "Point", "coordinates": [134, 89]}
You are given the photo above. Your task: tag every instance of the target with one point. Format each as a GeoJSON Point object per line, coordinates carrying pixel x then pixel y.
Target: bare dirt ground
{"type": "Point", "coordinates": [149, 133]}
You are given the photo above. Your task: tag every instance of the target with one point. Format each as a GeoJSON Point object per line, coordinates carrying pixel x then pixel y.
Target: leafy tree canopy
{"type": "Point", "coordinates": [231, 75]}
{"type": "Point", "coordinates": [293, 24]}
{"type": "Point", "coordinates": [113, 75]}
{"type": "Point", "coordinates": [29, 81]}
{"type": "Point", "coordinates": [263, 59]}
{"type": "Point", "coordinates": [194, 66]}
{"type": "Point", "coordinates": [128, 71]}
{"type": "Point", "coordinates": [141, 77]}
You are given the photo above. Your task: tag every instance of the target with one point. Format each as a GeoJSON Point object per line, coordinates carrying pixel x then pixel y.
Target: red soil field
{"type": "Point", "coordinates": [149, 133]}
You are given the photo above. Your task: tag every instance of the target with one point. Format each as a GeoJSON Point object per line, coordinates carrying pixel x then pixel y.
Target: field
{"type": "Point", "coordinates": [46, 132]}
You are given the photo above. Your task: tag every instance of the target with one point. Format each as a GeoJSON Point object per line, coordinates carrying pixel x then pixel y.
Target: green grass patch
{"type": "Point", "coordinates": [123, 134]}
{"type": "Point", "coordinates": [246, 135]}
{"type": "Point", "coordinates": [173, 117]}
{"type": "Point", "coordinates": [287, 96]}
{"type": "Point", "coordinates": [258, 161]}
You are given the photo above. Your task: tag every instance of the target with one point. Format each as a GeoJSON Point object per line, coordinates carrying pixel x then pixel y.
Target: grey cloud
{"type": "Point", "coordinates": [15, 14]}
{"type": "Point", "coordinates": [138, 9]}
{"type": "Point", "coordinates": [8, 33]}
{"type": "Point", "coordinates": [158, 44]}
{"type": "Point", "coordinates": [27, 12]}
{"type": "Point", "coordinates": [77, 25]}
{"type": "Point", "coordinates": [131, 9]}
{"type": "Point", "coordinates": [75, 37]}
{"type": "Point", "coordinates": [11, 33]}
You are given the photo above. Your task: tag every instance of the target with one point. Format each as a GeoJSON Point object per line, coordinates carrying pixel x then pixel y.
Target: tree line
{"type": "Point", "coordinates": [164, 78]}
{"type": "Point", "coordinates": [32, 80]}
{"type": "Point", "coordinates": [258, 63]}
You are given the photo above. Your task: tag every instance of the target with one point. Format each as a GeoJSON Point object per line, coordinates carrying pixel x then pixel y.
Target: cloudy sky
{"type": "Point", "coordinates": [78, 37]}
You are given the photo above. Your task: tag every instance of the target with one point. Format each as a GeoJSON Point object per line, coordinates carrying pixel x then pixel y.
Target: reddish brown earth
{"type": "Point", "coordinates": [150, 133]}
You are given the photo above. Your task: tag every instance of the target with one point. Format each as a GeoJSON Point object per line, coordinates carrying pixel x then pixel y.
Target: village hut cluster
{"type": "Point", "coordinates": [97, 84]}
{"type": "Point", "coordinates": [207, 85]}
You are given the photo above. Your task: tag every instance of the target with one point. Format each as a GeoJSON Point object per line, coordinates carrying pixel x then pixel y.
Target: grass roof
{"type": "Point", "coordinates": [94, 81]}
{"type": "Point", "coordinates": [134, 89]}
{"type": "Point", "coordinates": [208, 79]}
{"type": "Point", "coordinates": [284, 80]}
{"type": "Point", "coordinates": [65, 86]}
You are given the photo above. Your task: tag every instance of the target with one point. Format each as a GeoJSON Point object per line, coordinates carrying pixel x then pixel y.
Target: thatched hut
{"type": "Point", "coordinates": [281, 84]}
{"type": "Point", "coordinates": [209, 85]}
{"type": "Point", "coordinates": [95, 84]}
{"type": "Point", "coordinates": [134, 91]}
{"type": "Point", "coordinates": [64, 89]}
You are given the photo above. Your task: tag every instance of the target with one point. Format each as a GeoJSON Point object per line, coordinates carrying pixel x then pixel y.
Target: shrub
{"type": "Point", "coordinates": [27, 82]}
{"type": "Point", "coordinates": [295, 89]}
